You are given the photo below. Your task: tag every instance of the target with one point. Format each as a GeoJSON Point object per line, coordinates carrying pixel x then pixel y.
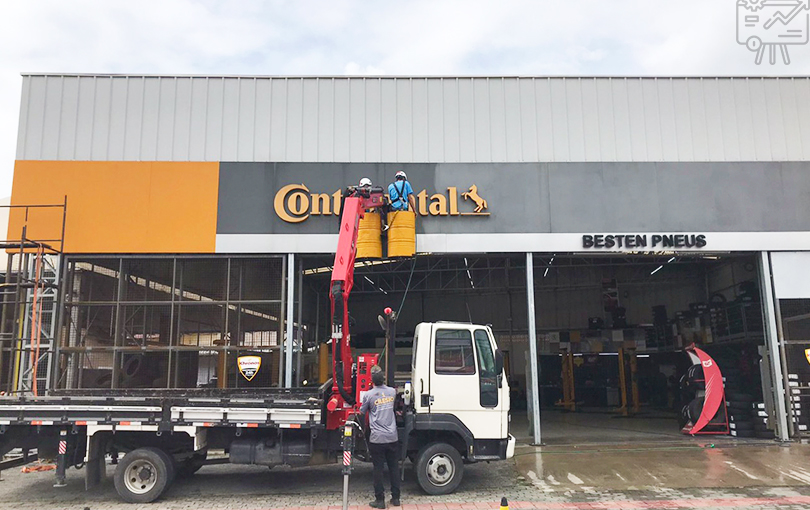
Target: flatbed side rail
{"type": "Point", "coordinates": [165, 412]}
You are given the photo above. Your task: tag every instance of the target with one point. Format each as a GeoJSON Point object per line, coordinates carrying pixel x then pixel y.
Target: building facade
{"type": "Point", "coordinates": [199, 214]}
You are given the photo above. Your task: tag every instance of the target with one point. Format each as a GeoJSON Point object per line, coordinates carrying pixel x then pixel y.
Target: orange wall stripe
{"type": "Point", "coordinates": [119, 206]}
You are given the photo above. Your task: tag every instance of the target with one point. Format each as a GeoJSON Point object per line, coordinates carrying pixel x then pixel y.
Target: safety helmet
{"type": "Point", "coordinates": [401, 175]}
{"type": "Point", "coordinates": [365, 181]}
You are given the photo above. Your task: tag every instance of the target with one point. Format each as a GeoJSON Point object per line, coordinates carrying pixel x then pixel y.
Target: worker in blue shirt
{"type": "Point", "coordinates": [401, 194]}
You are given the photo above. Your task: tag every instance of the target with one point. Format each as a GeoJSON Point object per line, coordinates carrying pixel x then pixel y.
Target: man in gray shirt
{"type": "Point", "coordinates": [383, 443]}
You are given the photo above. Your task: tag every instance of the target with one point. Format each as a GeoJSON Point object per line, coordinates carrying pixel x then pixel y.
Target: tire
{"type": "Point", "coordinates": [169, 460]}
{"type": "Point", "coordinates": [739, 406]}
{"type": "Point", "coordinates": [739, 397]}
{"type": "Point", "coordinates": [683, 418]}
{"type": "Point", "coordinates": [143, 475]}
{"type": "Point", "coordinates": [743, 425]}
{"type": "Point", "coordinates": [743, 433]}
{"type": "Point", "coordinates": [439, 468]}
{"type": "Point", "coordinates": [191, 465]}
{"type": "Point", "coordinates": [694, 377]}
{"type": "Point", "coordinates": [738, 416]}
{"type": "Point", "coordinates": [695, 408]}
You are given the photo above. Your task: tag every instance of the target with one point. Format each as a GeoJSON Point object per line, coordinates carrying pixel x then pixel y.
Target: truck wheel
{"type": "Point", "coordinates": [439, 468]}
{"type": "Point", "coordinates": [143, 475]}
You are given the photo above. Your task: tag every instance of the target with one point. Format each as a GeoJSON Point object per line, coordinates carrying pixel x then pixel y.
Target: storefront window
{"type": "Point", "coordinates": [170, 322]}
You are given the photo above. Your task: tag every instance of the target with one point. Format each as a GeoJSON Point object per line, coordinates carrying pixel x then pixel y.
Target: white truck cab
{"type": "Point", "coordinates": [460, 398]}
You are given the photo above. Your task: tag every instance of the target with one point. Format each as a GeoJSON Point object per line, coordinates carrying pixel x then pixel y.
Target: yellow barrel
{"type": "Point", "coordinates": [401, 234]}
{"type": "Point", "coordinates": [369, 243]}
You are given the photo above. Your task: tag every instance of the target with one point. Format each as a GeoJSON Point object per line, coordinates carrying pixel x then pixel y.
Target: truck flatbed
{"type": "Point", "coordinates": [165, 409]}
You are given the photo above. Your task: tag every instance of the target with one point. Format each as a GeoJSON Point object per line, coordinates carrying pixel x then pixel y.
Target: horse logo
{"type": "Point", "coordinates": [472, 194]}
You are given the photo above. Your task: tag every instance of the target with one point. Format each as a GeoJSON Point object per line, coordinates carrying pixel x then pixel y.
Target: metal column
{"type": "Point", "coordinates": [772, 339]}
{"type": "Point", "coordinates": [300, 336]}
{"type": "Point", "coordinates": [290, 339]}
{"type": "Point", "coordinates": [534, 380]}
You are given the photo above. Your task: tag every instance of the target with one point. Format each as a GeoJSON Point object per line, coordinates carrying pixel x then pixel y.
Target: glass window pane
{"type": "Point", "coordinates": [454, 352]}
{"type": "Point", "coordinates": [486, 365]}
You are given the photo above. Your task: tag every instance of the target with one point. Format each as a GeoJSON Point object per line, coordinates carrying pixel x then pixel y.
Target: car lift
{"type": "Point", "coordinates": [569, 401]}
{"type": "Point", "coordinates": [624, 410]}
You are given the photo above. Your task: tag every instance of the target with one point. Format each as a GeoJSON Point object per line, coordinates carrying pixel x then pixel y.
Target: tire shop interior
{"type": "Point", "coordinates": [592, 312]}
{"type": "Point", "coordinates": [611, 330]}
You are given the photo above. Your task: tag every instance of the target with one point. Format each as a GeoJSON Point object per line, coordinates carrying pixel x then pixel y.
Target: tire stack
{"type": "Point", "coordinates": [762, 426]}
{"type": "Point", "coordinates": [801, 413]}
{"type": "Point", "coordinates": [691, 382]}
{"type": "Point", "coordinates": [739, 401]}
{"type": "Point", "coordinates": [718, 319]}
{"type": "Point", "coordinates": [741, 413]}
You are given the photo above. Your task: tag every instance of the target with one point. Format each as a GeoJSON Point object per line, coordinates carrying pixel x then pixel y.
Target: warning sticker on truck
{"type": "Point", "coordinates": [249, 366]}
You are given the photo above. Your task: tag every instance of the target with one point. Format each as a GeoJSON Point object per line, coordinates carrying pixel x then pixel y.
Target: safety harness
{"type": "Point", "coordinates": [400, 192]}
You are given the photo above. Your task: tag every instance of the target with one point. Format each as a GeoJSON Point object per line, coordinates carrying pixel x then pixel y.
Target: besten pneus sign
{"type": "Point", "coordinates": [295, 203]}
{"type": "Point", "coordinates": [642, 241]}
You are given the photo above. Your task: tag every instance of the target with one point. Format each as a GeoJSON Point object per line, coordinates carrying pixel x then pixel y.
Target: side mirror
{"type": "Point", "coordinates": [498, 362]}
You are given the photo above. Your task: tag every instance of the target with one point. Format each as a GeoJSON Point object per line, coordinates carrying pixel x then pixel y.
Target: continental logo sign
{"type": "Point", "coordinates": [295, 203]}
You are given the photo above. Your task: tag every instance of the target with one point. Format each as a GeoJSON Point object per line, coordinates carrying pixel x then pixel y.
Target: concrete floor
{"type": "Point", "coordinates": [599, 450]}
{"type": "Point", "coordinates": [598, 426]}
{"type": "Point", "coordinates": [590, 460]}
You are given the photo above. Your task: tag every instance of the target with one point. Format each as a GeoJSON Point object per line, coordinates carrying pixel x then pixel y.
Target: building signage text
{"type": "Point", "coordinates": [643, 241]}
{"type": "Point", "coordinates": [295, 203]}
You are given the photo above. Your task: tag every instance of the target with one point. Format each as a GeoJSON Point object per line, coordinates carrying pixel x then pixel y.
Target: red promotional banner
{"type": "Point", "coordinates": [714, 390]}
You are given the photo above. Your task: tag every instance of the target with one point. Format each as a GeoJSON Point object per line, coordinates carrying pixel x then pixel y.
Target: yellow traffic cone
{"type": "Point", "coordinates": [504, 504]}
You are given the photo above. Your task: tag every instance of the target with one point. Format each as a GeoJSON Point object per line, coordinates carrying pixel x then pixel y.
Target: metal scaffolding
{"type": "Point", "coordinates": [30, 295]}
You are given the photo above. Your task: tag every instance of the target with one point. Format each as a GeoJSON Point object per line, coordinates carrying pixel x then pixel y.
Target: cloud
{"type": "Point", "coordinates": [531, 37]}
{"type": "Point", "coordinates": [355, 69]}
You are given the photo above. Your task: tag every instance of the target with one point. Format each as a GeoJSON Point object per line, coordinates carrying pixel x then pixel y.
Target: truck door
{"type": "Point", "coordinates": [463, 382]}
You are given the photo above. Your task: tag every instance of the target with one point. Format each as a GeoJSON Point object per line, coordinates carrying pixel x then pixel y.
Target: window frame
{"type": "Point", "coordinates": [474, 365]}
{"type": "Point", "coordinates": [480, 359]}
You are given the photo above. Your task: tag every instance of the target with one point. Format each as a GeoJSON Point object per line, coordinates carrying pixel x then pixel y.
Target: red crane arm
{"type": "Point", "coordinates": [357, 200]}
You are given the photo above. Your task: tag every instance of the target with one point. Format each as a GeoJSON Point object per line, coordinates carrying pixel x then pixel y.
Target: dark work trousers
{"type": "Point", "coordinates": [382, 454]}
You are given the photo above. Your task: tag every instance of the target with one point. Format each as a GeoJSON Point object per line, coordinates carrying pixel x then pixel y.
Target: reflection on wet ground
{"type": "Point", "coordinates": [601, 450]}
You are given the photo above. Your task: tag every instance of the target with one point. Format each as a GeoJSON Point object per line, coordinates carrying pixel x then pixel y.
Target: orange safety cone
{"type": "Point", "coordinates": [504, 504]}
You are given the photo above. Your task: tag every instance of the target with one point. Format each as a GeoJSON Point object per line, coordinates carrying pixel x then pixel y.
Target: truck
{"type": "Point", "coordinates": [454, 410]}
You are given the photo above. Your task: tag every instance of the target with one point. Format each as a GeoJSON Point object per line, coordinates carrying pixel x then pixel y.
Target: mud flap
{"type": "Point", "coordinates": [95, 468]}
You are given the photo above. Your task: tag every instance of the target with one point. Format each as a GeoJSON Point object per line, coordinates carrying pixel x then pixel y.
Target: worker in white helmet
{"type": "Point", "coordinates": [401, 193]}
{"type": "Point", "coordinates": [366, 184]}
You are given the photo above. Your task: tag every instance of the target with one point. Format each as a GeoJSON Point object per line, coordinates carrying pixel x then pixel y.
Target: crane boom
{"type": "Point", "coordinates": [356, 201]}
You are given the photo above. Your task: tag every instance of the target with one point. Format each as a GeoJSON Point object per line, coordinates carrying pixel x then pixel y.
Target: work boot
{"type": "Point", "coordinates": [377, 503]}
{"type": "Point", "coordinates": [394, 501]}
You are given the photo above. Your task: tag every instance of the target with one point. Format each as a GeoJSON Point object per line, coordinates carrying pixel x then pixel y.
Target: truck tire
{"type": "Point", "coordinates": [143, 475]}
{"type": "Point", "coordinates": [439, 468]}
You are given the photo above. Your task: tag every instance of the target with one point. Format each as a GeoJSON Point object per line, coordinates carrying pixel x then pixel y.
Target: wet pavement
{"type": "Point", "coordinates": [652, 467]}
{"type": "Point", "coordinates": [602, 450]}
{"type": "Point", "coordinates": [610, 477]}
{"type": "Point", "coordinates": [628, 464]}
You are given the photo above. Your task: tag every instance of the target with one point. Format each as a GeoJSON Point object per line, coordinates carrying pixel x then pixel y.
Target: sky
{"type": "Point", "coordinates": [418, 37]}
